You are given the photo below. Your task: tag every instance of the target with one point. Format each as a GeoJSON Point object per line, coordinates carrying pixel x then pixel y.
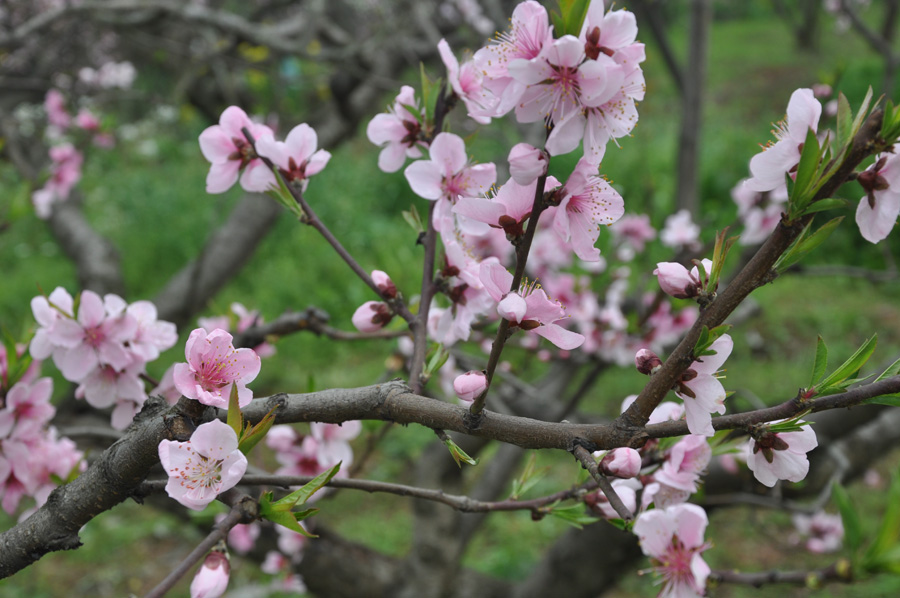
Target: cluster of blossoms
{"type": "Point", "coordinates": [311, 454]}
{"type": "Point", "coordinates": [239, 320]}
{"type": "Point", "coordinates": [31, 453]}
{"type": "Point", "coordinates": [65, 159]}
{"type": "Point", "coordinates": [104, 346]}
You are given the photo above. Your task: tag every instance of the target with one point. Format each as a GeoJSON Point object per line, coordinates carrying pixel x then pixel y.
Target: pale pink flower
{"type": "Point", "coordinates": [675, 280]}
{"type": "Point", "coordinates": [776, 160]}
{"type": "Point", "coordinates": [333, 442]}
{"type": "Point", "coordinates": [466, 82]}
{"type": "Point", "coordinates": [509, 208]}
{"type": "Point", "coordinates": [105, 385]}
{"type": "Point", "coordinates": [588, 202]}
{"type": "Point", "coordinates": [446, 175]}
{"type": "Point", "coordinates": [528, 308]}
{"type": "Point", "coordinates": [296, 157]}
{"type": "Point", "coordinates": [470, 385]}
{"type": "Point", "coordinates": [634, 229]}
{"type": "Point", "coordinates": [204, 466]}
{"type": "Point", "coordinates": [225, 146]}
{"type": "Point", "coordinates": [823, 532]}
{"type": "Point", "coordinates": [211, 579]}
{"type": "Point", "coordinates": [673, 537]}
{"type": "Point", "coordinates": [621, 463]}
{"type": "Point", "coordinates": [760, 210]}
{"type": "Point", "coordinates": [701, 390]}
{"type": "Point", "coordinates": [55, 105]}
{"type": "Point", "coordinates": [782, 455]}
{"type": "Point", "coordinates": [384, 283]}
{"type": "Point", "coordinates": [166, 388]}
{"type": "Point", "coordinates": [684, 464]}
{"type": "Point", "coordinates": [878, 210]}
{"type": "Point", "coordinates": [372, 316]}
{"type": "Point", "coordinates": [680, 231]}
{"type": "Point", "coordinates": [527, 163]}
{"type": "Point", "coordinates": [242, 537]}
{"type": "Point", "coordinates": [627, 493]}
{"type": "Point", "coordinates": [398, 131]}
{"type": "Point", "coordinates": [87, 120]}
{"type": "Point", "coordinates": [213, 366]}
{"type": "Point", "coordinates": [27, 408]}
{"type": "Point", "coordinates": [528, 38]}
{"type": "Point", "coordinates": [152, 336]}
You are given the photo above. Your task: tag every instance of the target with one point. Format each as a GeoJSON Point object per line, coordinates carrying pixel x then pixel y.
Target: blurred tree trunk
{"type": "Point", "coordinates": [694, 77]}
{"type": "Point", "coordinates": [803, 19]}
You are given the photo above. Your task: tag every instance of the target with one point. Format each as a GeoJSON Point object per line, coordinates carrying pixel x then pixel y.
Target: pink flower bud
{"type": "Point", "coordinates": [211, 579]}
{"type": "Point", "coordinates": [371, 316]}
{"type": "Point", "coordinates": [675, 280]}
{"type": "Point", "coordinates": [526, 163]}
{"type": "Point", "coordinates": [647, 362]}
{"type": "Point", "coordinates": [470, 385]}
{"type": "Point", "coordinates": [384, 284]}
{"type": "Point", "coordinates": [621, 463]}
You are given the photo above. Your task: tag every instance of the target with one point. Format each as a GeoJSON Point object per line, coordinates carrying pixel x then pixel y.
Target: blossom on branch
{"type": "Point", "coordinates": [204, 466]}
{"type": "Point", "coordinates": [470, 385]}
{"type": "Point", "coordinates": [588, 202]}
{"type": "Point", "coordinates": [673, 537]}
{"type": "Point", "coordinates": [398, 132]}
{"type": "Point", "coordinates": [296, 157]}
{"type": "Point", "coordinates": [372, 316]}
{"type": "Point", "coordinates": [213, 366]}
{"type": "Point", "coordinates": [701, 390]}
{"type": "Point", "coordinates": [211, 579]}
{"type": "Point", "coordinates": [466, 82]}
{"type": "Point", "coordinates": [780, 456]}
{"type": "Point", "coordinates": [877, 212]}
{"type": "Point", "coordinates": [226, 147]}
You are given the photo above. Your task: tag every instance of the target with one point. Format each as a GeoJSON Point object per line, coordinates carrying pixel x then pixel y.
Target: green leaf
{"type": "Point", "coordinates": [577, 11]}
{"type": "Point", "coordinates": [844, 122]}
{"type": "Point", "coordinates": [574, 515]}
{"type": "Point", "coordinates": [829, 203]}
{"type": "Point", "coordinates": [707, 338]}
{"type": "Point", "coordinates": [414, 220]}
{"type": "Point", "coordinates": [889, 530]}
{"type": "Point", "coordinates": [290, 521]}
{"type": "Point", "coordinates": [892, 370]}
{"type": "Point", "coordinates": [849, 368]}
{"type": "Point", "coordinates": [850, 518]}
{"type": "Point", "coordinates": [805, 243]}
{"type": "Point", "coordinates": [439, 356]}
{"type": "Point", "coordinates": [301, 495]}
{"type": "Point", "coordinates": [252, 435]}
{"type": "Point", "coordinates": [889, 400]}
{"type": "Point", "coordinates": [530, 476]}
{"type": "Point", "coordinates": [234, 420]}
{"type": "Point", "coordinates": [806, 172]}
{"type": "Point", "coordinates": [457, 453]}
{"type": "Point", "coordinates": [821, 362]}
{"type": "Point", "coordinates": [861, 115]}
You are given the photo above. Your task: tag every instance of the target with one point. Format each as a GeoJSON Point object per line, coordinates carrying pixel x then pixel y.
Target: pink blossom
{"type": "Point", "coordinates": [204, 466]}
{"type": "Point", "coordinates": [398, 131]}
{"type": "Point", "coordinates": [782, 455]}
{"type": "Point", "coordinates": [334, 442]}
{"type": "Point", "coordinates": [87, 120]}
{"type": "Point", "coordinates": [227, 149]}
{"type": "Point", "coordinates": [166, 388]}
{"type": "Point", "coordinates": [760, 210]}
{"type": "Point", "coordinates": [627, 493]}
{"type": "Point", "coordinates": [372, 316]}
{"type": "Point", "coordinates": [211, 579]}
{"type": "Point", "coordinates": [447, 175]}
{"type": "Point", "coordinates": [213, 366]}
{"type": "Point", "coordinates": [588, 202]}
{"type": "Point", "coordinates": [466, 82]}
{"type": "Point", "coordinates": [634, 229]}
{"type": "Point", "coordinates": [684, 464]}
{"type": "Point", "coordinates": [680, 231]}
{"type": "Point", "coordinates": [470, 385]}
{"type": "Point", "coordinates": [621, 463]}
{"type": "Point", "coordinates": [55, 105]}
{"type": "Point", "coordinates": [528, 308]}
{"type": "Point", "coordinates": [673, 537]}
{"type": "Point", "coordinates": [776, 160]}
{"type": "Point", "coordinates": [509, 208]}
{"type": "Point", "coordinates": [65, 172]}
{"type": "Point", "coordinates": [823, 532]}
{"type": "Point", "coordinates": [878, 210]}
{"type": "Point", "coordinates": [27, 408]}
{"type": "Point", "coordinates": [675, 280]}
{"type": "Point", "coordinates": [527, 163]}
{"type": "Point", "coordinates": [527, 39]}
{"type": "Point", "coordinates": [296, 157]}
{"type": "Point", "coordinates": [152, 336]}
{"type": "Point", "coordinates": [242, 537]}
{"type": "Point", "coordinates": [701, 390]}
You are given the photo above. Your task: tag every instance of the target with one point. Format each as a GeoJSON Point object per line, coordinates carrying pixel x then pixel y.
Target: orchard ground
{"type": "Point", "coordinates": [150, 202]}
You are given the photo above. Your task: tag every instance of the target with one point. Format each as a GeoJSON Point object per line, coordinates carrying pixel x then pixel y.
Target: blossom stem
{"type": "Point", "coordinates": [587, 461]}
{"type": "Point", "coordinates": [420, 344]}
{"type": "Point", "coordinates": [522, 250]}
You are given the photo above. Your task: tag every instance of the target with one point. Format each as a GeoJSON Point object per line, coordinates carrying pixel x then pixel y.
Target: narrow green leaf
{"type": "Point", "coordinates": [844, 121]}
{"type": "Point", "coordinates": [821, 362]}
{"type": "Point", "coordinates": [892, 370]}
{"type": "Point", "coordinates": [830, 203]}
{"type": "Point", "coordinates": [850, 518]}
{"type": "Point", "coordinates": [577, 11]}
{"type": "Point", "coordinates": [252, 435]}
{"type": "Point", "coordinates": [861, 115]}
{"type": "Point", "coordinates": [574, 515]}
{"type": "Point", "coordinates": [805, 243]}
{"type": "Point", "coordinates": [234, 420]}
{"type": "Point", "coordinates": [458, 454]}
{"type": "Point", "coordinates": [414, 220]}
{"type": "Point", "coordinates": [287, 519]}
{"type": "Point", "coordinates": [889, 400]}
{"type": "Point", "coordinates": [889, 530]}
{"type": "Point", "coordinates": [806, 172]}
{"type": "Point", "coordinates": [301, 495]}
{"type": "Point", "coordinates": [849, 368]}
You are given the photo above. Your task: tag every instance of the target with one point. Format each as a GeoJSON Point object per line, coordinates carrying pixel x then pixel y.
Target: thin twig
{"type": "Point", "coordinates": [587, 461]}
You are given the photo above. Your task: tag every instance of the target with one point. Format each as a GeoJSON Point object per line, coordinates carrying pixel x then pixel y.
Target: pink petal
{"type": "Point", "coordinates": [559, 336]}
{"type": "Point", "coordinates": [214, 439]}
{"type": "Point", "coordinates": [449, 151]}
{"type": "Point", "coordinates": [317, 162]}
{"type": "Point", "coordinates": [495, 278]}
{"type": "Point", "coordinates": [216, 145]}
{"type": "Point", "coordinates": [425, 178]}
{"type": "Point", "coordinates": [90, 311]}
{"type": "Point", "coordinates": [301, 142]}
{"type": "Point", "coordinates": [710, 364]}
{"type": "Point", "coordinates": [482, 210]}
{"type": "Point", "coordinates": [876, 224]}
{"type": "Point", "coordinates": [185, 380]}
{"type": "Point", "coordinates": [257, 177]}
{"type": "Point", "coordinates": [222, 176]}
{"type": "Point", "coordinates": [690, 525]}
{"type": "Point", "coordinates": [234, 120]}
{"type": "Point", "coordinates": [803, 113]}
{"type": "Point", "coordinates": [512, 307]}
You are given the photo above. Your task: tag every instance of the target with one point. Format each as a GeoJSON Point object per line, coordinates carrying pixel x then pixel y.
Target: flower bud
{"type": "Point", "coordinates": [371, 316]}
{"type": "Point", "coordinates": [384, 284]}
{"type": "Point", "coordinates": [621, 463]}
{"type": "Point", "coordinates": [526, 163]}
{"type": "Point", "coordinates": [647, 362]}
{"type": "Point", "coordinates": [211, 579]}
{"type": "Point", "coordinates": [469, 385]}
{"type": "Point", "coordinates": [675, 280]}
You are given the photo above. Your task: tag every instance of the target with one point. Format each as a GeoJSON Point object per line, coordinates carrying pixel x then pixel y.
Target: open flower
{"type": "Point", "coordinates": [587, 202]}
{"type": "Point", "coordinates": [780, 456]}
{"type": "Point", "coordinates": [397, 131]}
{"type": "Point", "coordinates": [701, 390]}
{"type": "Point", "coordinates": [204, 466]}
{"type": "Point", "coordinates": [466, 81]}
{"type": "Point", "coordinates": [213, 366]}
{"type": "Point", "coordinates": [296, 157]}
{"type": "Point", "coordinates": [878, 210]}
{"type": "Point", "coordinates": [227, 149]}
{"type": "Point", "coordinates": [673, 537]}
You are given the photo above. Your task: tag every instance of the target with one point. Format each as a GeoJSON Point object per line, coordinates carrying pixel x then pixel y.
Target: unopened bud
{"type": "Point", "coordinates": [621, 463]}
{"type": "Point", "coordinates": [647, 362]}
{"type": "Point", "coordinates": [211, 579]}
{"type": "Point", "coordinates": [384, 284]}
{"type": "Point", "coordinates": [371, 316]}
{"type": "Point", "coordinates": [469, 385]}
